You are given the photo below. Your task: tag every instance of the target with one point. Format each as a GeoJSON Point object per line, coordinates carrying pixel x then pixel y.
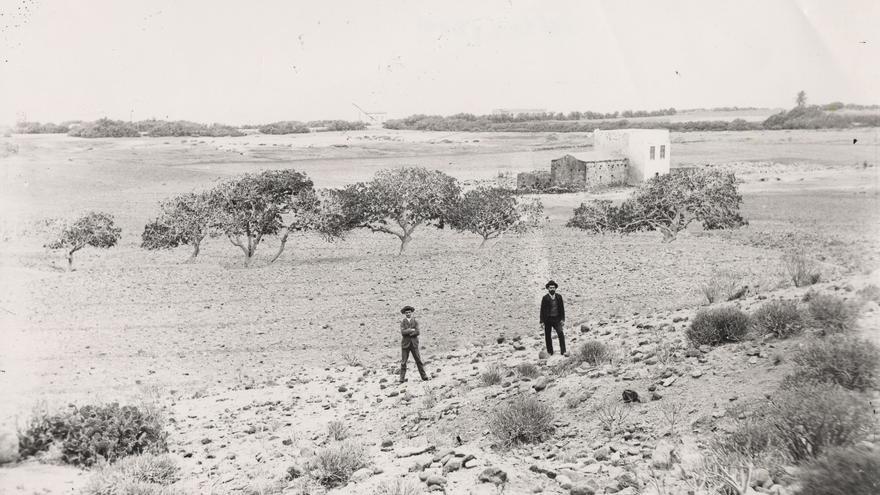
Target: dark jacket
{"type": "Point", "coordinates": [545, 308]}
{"type": "Point", "coordinates": [410, 332]}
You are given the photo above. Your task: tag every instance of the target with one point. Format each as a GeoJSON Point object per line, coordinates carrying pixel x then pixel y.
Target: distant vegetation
{"type": "Point", "coordinates": [103, 128]}
{"type": "Point", "coordinates": [286, 127]}
{"type": "Point", "coordinates": [183, 128]}
{"type": "Point", "coordinates": [38, 128]}
{"type": "Point", "coordinates": [800, 117]}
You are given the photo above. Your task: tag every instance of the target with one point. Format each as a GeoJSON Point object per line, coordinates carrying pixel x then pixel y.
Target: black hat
{"type": "Point", "coordinates": [547, 286]}
{"type": "Point", "coordinates": [407, 308]}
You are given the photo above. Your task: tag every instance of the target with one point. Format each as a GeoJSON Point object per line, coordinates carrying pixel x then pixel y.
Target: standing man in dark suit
{"type": "Point", "coordinates": [409, 344]}
{"type": "Point", "coordinates": [553, 316]}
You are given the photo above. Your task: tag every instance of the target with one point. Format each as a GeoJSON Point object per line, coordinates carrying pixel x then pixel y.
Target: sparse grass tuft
{"type": "Point", "coordinates": [832, 314]}
{"type": "Point", "coordinates": [332, 466]}
{"type": "Point", "coordinates": [720, 287]}
{"type": "Point", "coordinates": [780, 318]}
{"type": "Point", "coordinates": [592, 352]}
{"type": "Point", "coordinates": [491, 375]}
{"type": "Point", "coordinates": [337, 430]}
{"type": "Point", "coordinates": [527, 370]}
{"type": "Point", "coordinates": [145, 474]}
{"type": "Point", "coordinates": [715, 326]}
{"type": "Point", "coordinates": [522, 420]}
{"type": "Point", "coordinates": [400, 487]}
{"type": "Point", "coordinates": [842, 471]}
{"type": "Point", "coordinates": [801, 270]}
{"type": "Point", "coordinates": [612, 414]}
{"type": "Point", "coordinates": [842, 359]}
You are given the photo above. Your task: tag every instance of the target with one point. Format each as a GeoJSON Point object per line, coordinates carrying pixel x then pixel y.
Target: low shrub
{"type": "Point", "coordinates": [592, 352]}
{"type": "Point", "coordinates": [800, 269]}
{"type": "Point", "coordinates": [832, 314]}
{"type": "Point", "coordinates": [842, 471]}
{"type": "Point", "coordinates": [92, 433]}
{"type": "Point", "coordinates": [145, 474]}
{"type": "Point", "coordinates": [715, 326]}
{"type": "Point", "coordinates": [491, 375]}
{"type": "Point", "coordinates": [400, 487]}
{"type": "Point", "coordinates": [720, 287]}
{"type": "Point", "coordinates": [522, 420]}
{"type": "Point", "coordinates": [780, 318]}
{"type": "Point", "coordinates": [334, 465]}
{"type": "Point", "coordinates": [811, 418]}
{"type": "Point", "coordinates": [337, 430]}
{"type": "Point", "coordinates": [527, 370]}
{"type": "Point", "coordinates": [845, 360]}
{"type": "Point", "coordinates": [752, 437]}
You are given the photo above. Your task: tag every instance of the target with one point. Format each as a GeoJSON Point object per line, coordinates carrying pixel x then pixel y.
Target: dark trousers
{"type": "Point", "coordinates": [557, 325]}
{"type": "Point", "coordinates": [404, 357]}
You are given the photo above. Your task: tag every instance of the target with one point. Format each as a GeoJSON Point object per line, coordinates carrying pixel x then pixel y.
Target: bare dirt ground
{"type": "Point", "coordinates": [225, 348]}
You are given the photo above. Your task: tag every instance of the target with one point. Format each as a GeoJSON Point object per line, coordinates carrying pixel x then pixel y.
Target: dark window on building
{"type": "Point", "coordinates": [652, 152]}
{"type": "Point", "coordinates": [662, 151]}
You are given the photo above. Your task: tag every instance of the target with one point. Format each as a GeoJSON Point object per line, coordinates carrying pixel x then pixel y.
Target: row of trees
{"type": "Point", "coordinates": [102, 128]}
{"type": "Point", "coordinates": [249, 208]}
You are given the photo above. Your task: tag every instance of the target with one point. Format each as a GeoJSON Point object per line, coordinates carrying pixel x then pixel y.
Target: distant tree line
{"type": "Point", "coordinates": [104, 128]}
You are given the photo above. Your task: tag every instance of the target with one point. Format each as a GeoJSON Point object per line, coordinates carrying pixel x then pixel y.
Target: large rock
{"type": "Point", "coordinates": [361, 474]}
{"type": "Point", "coordinates": [8, 446]}
{"type": "Point", "coordinates": [492, 475]}
{"type": "Point", "coordinates": [586, 488]}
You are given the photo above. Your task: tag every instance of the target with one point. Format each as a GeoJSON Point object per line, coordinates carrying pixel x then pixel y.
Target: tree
{"type": "Point", "coordinates": [94, 229]}
{"type": "Point", "coordinates": [801, 99]}
{"type": "Point", "coordinates": [398, 201]}
{"type": "Point", "coordinates": [317, 211]}
{"type": "Point", "coordinates": [668, 203]}
{"type": "Point", "coordinates": [184, 220]}
{"type": "Point", "coordinates": [492, 212]}
{"type": "Point", "coordinates": [251, 206]}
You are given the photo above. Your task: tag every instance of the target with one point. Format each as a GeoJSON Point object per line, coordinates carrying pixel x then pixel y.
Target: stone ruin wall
{"type": "Point", "coordinates": [570, 172]}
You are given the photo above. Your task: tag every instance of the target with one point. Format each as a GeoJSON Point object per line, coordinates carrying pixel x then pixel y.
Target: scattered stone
{"type": "Point", "coordinates": [761, 477]}
{"type": "Point", "coordinates": [543, 355]}
{"type": "Point", "coordinates": [661, 458]}
{"type": "Point", "coordinates": [501, 339]}
{"type": "Point", "coordinates": [411, 451]}
{"type": "Point", "coordinates": [435, 480]}
{"type": "Point", "coordinates": [753, 360]}
{"type": "Point", "coordinates": [541, 383]}
{"type": "Point", "coordinates": [602, 453]}
{"type": "Point", "coordinates": [630, 396]}
{"type": "Point", "coordinates": [656, 396]}
{"type": "Point", "coordinates": [564, 481]}
{"type": "Point", "coordinates": [692, 352]}
{"type": "Point", "coordinates": [696, 373]}
{"type": "Point", "coordinates": [586, 488]}
{"type": "Point", "coordinates": [669, 381]}
{"type": "Point", "coordinates": [453, 464]}
{"type": "Point", "coordinates": [585, 328]}
{"type": "Point", "coordinates": [493, 475]}
{"type": "Point", "coordinates": [361, 474]}
{"type": "Point", "coordinates": [546, 472]}
{"type": "Point", "coordinates": [8, 446]}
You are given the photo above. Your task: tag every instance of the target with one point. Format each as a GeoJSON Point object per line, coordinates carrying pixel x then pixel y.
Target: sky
{"type": "Point", "coordinates": [254, 62]}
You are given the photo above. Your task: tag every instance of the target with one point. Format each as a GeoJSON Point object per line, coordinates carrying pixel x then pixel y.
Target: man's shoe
{"type": "Point", "coordinates": [425, 378]}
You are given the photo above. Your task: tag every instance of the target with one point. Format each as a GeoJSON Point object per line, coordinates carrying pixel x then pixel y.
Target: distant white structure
{"type": "Point", "coordinates": [618, 157]}
{"type": "Point", "coordinates": [646, 150]}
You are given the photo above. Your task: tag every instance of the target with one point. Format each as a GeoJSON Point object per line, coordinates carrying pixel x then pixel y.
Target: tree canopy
{"type": "Point", "coordinates": [490, 212]}
{"type": "Point", "coordinates": [184, 220]}
{"type": "Point", "coordinates": [94, 229]}
{"type": "Point", "coordinates": [398, 201]}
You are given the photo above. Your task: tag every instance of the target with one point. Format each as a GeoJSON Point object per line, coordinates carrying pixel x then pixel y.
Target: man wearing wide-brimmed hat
{"type": "Point", "coordinates": [553, 316]}
{"type": "Point", "coordinates": [409, 344]}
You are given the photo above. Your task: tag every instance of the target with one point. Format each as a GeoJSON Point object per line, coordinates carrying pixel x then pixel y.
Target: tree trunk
{"type": "Point", "coordinates": [404, 241]}
{"type": "Point", "coordinates": [196, 247]}
{"type": "Point", "coordinates": [281, 246]}
{"type": "Point", "coordinates": [483, 243]}
{"type": "Point", "coordinates": [70, 261]}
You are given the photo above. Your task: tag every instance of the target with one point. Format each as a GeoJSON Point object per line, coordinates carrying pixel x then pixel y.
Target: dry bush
{"type": "Point", "coordinates": [592, 352]}
{"type": "Point", "coordinates": [351, 359]}
{"type": "Point", "coordinates": [832, 314]}
{"type": "Point", "coordinates": [400, 487]}
{"type": "Point", "coordinates": [716, 326]}
{"type": "Point", "coordinates": [145, 474]}
{"type": "Point", "coordinates": [842, 471]}
{"type": "Point", "coordinates": [492, 375]}
{"type": "Point", "coordinates": [337, 430]}
{"type": "Point", "coordinates": [522, 420]}
{"type": "Point", "coordinates": [780, 318]}
{"type": "Point", "coordinates": [332, 466]}
{"type": "Point", "coordinates": [800, 269]}
{"type": "Point", "coordinates": [813, 417]}
{"type": "Point", "coordinates": [611, 414]}
{"type": "Point", "coordinates": [673, 412]}
{"type": "Point", "coordinates": [527, 370]}
{"type": "Point", "coordinates": [842, 359]}
{"type": "Point", "coordinates": [720, 287]}
{"type": "Point", "coordinates": [430, 398]}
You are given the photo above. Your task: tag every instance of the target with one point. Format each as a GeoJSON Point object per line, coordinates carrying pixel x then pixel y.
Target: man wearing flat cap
{"type": "Point", "coordinates": [553, 316]}
{"type": "Point", "coordinates": [409, 344]}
